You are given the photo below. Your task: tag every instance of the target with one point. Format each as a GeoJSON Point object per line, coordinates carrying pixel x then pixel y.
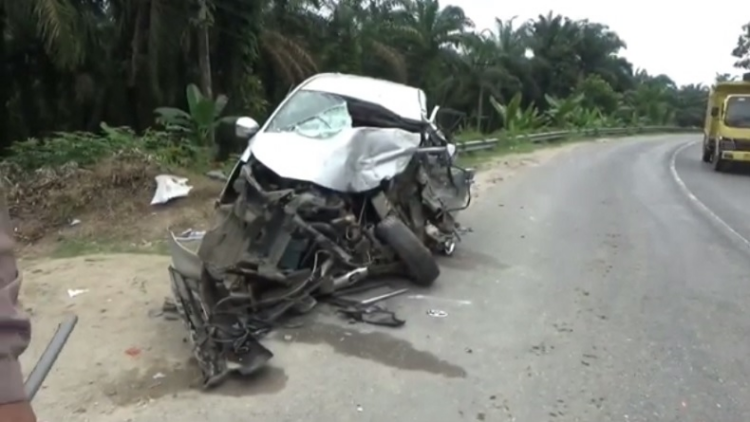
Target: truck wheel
{"type": "Point", "coordinates": [706, 153]}
{"type": "Point", "coordinates": [719, 163]}
{"type": "Point", "coordinates": [420, 264]}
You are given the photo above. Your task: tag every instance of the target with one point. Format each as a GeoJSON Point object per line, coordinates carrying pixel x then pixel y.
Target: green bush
{"type": "Point", "coordinates": [86, 149]}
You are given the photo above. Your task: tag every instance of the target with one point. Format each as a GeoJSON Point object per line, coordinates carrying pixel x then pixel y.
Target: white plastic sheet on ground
{"type": "Point", "coordinates": [169, 187]}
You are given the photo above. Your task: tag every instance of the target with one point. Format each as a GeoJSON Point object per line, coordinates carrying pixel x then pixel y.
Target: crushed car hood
{"type": "Point", "coordinates": [352, 160]}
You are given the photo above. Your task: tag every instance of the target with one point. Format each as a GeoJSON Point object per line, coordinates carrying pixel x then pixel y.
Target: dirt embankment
{"type": "Point", "coordinates": [70, 210]}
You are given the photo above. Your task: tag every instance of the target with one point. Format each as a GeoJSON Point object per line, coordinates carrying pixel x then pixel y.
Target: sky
{"type": "Point", "coordinates": [690, 42]}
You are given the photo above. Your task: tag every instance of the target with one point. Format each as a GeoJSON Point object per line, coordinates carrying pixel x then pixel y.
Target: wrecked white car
{"type": "Point", "coordinates": [349, 178]}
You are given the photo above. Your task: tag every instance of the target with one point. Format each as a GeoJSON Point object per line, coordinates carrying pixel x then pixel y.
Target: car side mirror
{"type": "Point", "coordinates": [714, 111]}
{"type": "Point", "coordinates": [246, 127]}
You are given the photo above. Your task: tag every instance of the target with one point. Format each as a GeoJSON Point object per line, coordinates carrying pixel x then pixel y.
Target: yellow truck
{"type": "Point", "coordinates": [726, 133]}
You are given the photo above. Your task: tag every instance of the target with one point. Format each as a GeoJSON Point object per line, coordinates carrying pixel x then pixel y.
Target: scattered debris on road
{"type": "Point", "coordinates": [217, 175]}
{"type": "Point", "coordinates": [436, 313]}
{"type": "Point", "coordinates": [133, 352]}
{"type": "Point", "coordinates": [75, 292]}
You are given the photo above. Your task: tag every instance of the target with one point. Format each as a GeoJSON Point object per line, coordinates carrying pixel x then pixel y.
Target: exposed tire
{"type": "Point", "coordinates": [418, 259]}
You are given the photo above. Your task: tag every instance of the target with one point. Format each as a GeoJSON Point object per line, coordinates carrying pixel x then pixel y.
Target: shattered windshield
{"type": "Point", "coordinates": [738, 112]}
{"type": "Point", "coordinates": [313, 114]}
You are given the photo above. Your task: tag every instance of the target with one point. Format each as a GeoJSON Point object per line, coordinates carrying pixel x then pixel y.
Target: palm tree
{"type": "Point", "coordinates": [554, 39]}
{"type": "Point", "coordinates": [598, 48]}
{"type": "Point", "coordinates": [367, 35]}
{"type": "Point", "coordinates": [60, 24]}
{"type": "Point", "coordinates": [513, 48]}
{"type": "Point", "coordinates": [434, 35]}
{"type": "Point", "coordinates": [71, 64]}
{"type": "Point", "coordinates": [483, 72]}
{"type": "Point", "coordinates": [742, 50]}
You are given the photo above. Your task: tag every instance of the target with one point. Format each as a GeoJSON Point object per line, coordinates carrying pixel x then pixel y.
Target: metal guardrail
{"type": "Point", "coordinates": [549, 137]}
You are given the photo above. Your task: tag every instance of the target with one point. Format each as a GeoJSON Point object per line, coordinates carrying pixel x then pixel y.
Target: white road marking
{"type": "Point", "coordinates": [702, 206]}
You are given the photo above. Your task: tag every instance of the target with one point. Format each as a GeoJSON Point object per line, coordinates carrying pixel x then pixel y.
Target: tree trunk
{"type": "Point", "coordinates": [480, 107]}
{"type": "Point", "coordinates": [204, 61]}
{"type": "Point", "coordinates": [204, 51]}
{"type": "Point", "coordinates": [204, 65]}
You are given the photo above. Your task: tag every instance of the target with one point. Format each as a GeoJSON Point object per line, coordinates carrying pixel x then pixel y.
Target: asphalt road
{"type": "Point", "coordinates": [592, 288]}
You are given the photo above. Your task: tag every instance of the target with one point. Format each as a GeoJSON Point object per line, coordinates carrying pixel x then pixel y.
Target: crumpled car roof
{"type": "Point", "coordinates": [406, 101]}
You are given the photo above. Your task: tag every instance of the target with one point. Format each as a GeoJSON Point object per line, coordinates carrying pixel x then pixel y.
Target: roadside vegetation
{"type": "Point", "coordinates": [100, 96]}
{"type": "Point", "coordinates": [741, 51]}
